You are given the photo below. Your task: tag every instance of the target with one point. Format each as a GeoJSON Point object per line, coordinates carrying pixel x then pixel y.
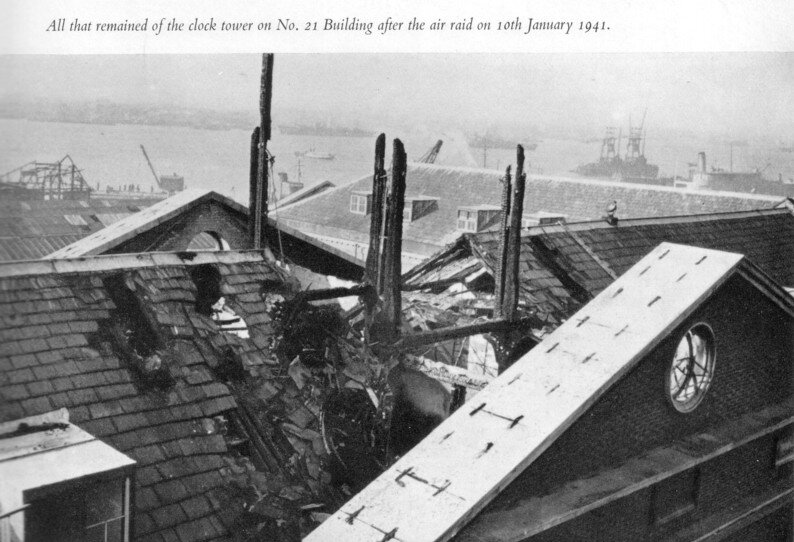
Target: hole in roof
{"type": "Point", "coordinates": [210, 302]}
{"type": "Point", "coordinates": [208, 241]}
{"type": "Point", "coordinates": [230, 366]}
{"type": "Point", "coordinates": [134, 334]}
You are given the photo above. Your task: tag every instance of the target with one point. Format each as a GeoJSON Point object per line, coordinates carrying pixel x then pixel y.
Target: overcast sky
{"type": "Point", "coordinates": [729, 93]}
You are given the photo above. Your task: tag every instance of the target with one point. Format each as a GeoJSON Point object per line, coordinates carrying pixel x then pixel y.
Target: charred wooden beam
{"type": "Point", "coordinates": [254, 209]}
{"type": "Point", "coordinates": [372, 273]}
{"type": "Point", "coordinates": [390, 317]}
{"type": "Point", "coordinates": [363, 290]}
{"type": "Point", "coordinates": [443, 334]}
{"type": "Point", "coordinates": [265, 100]}
{"type": "Point", "coordinates": [510, 295]}
{"type": "Point", "coordinates": [499, 277]}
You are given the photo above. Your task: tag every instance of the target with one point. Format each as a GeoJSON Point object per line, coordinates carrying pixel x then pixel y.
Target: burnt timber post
{"type": "Point", "coordinates": [499, 272]}
{"type": "Point", "coordinates": [253, 201]}
{"type": "Point", "coordinates": [388, 321]}
{"type": "Point", "coordinates": [265, 100]}
{"type": "Point", "coordinates": [374, 267]}
{"type": "Point", "coordinates": [510, 296]}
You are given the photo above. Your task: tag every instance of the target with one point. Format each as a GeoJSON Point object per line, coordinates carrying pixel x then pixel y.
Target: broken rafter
{"type": "Point", "coordinates": [363, 290]}
{"type": "Point", "coordinates": [446, 333]}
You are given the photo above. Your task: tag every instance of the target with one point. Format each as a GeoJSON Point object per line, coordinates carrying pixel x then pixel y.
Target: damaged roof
{"type": "Point", "coordinates": [442, 483]}
{"type": "Point", "coordinates": [563, 266]}
{"type": "Point", "coordinates": [58, 349]}
{"type": "Point", "coordinates": [34, 228]}
{"type": "Point", "coordinates": [454, 187]}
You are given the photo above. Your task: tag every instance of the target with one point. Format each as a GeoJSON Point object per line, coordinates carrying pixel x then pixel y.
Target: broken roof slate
{"type": "Point", "coordinates": [56, 351]}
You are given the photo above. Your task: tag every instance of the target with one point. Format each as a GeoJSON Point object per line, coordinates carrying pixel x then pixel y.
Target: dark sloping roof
{"type": "Point", "coordinates": [33, 229]}
{"type": "Point", "coordinates": [580, 199]}
{"type": "Point", "coordinates": [57, 349]}
{"type": "Point", "coordinates": [562, 266]}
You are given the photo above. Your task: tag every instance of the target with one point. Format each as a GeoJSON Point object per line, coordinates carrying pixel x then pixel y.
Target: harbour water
{"type": "Point", "coordinates": [219, 159]}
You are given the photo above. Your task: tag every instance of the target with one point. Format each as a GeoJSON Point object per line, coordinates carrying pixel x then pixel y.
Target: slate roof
{"type": "Point", "coordinates": [441, 484]}
{"type": "Point", "coordinates": [579, 199]}
{"type": "Point", "coordinates": [33, 229]}
{"type": "Point", "coordinates": [56, 351]}
{"type": "Point", "coordinates": [563, 266]}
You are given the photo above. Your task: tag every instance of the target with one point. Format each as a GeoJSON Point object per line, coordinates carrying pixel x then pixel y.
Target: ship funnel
{"type": "Point", "coordinates": [702, 162]}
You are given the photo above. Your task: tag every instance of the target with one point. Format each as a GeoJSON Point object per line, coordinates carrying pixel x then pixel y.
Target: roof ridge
{"type": "Point", "coordinates": [650, 220]}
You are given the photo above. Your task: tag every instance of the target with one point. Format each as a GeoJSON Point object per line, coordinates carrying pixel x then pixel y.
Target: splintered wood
{"type": "Point", "coordinates": [440, 485]}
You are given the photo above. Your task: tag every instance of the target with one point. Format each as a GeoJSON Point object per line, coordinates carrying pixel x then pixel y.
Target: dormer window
{"type": "Point", "coordinates": [478, 217]}
{"type": "Point", "coordinates": [467, 220]}
{"type": "Point", "coordinates": [360, 203]}
{"type": "Point", "coordinates": [418, 206]}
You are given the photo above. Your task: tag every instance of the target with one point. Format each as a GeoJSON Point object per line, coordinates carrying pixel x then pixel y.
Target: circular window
{"type": "Point", "coordinates": [692, 369]}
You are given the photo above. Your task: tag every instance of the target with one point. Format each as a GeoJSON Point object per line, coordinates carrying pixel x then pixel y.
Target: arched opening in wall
{"type": "Point", "coordinates": [210, 302]}
{"type": "Point", "coordinates": [208, 241]}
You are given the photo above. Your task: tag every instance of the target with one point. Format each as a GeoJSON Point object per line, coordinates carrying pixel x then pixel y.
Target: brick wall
{"type": "Point", "coordinates": [753, 369]}
{"type": "Point", "coordinates": [723, 481]}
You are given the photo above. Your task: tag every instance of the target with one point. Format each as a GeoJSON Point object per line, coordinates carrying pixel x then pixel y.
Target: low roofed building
{"type": "Point", "coordinates": [339, 216]}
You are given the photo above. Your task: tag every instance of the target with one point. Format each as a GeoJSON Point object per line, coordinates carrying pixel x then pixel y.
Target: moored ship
{"type": "Point", "coordinates": [323, 130]}
{"type": "Point", "coordinates": [633, 166]}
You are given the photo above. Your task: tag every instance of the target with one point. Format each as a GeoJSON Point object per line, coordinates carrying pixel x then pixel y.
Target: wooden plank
{"type": "Point", "coordinates": [445, 333]}
{"type": "Point", "coordinates": [484, 445]}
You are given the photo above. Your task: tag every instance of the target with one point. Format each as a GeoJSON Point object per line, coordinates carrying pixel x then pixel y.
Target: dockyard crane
{"type": "Point", "coordinates": [430, 156]}
{"type": "Point", "coordinates": [171, 183]}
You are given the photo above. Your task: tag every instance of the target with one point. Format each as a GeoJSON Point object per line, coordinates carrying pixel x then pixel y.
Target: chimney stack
{"type": "Point", "coordinates": [702, 162]}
